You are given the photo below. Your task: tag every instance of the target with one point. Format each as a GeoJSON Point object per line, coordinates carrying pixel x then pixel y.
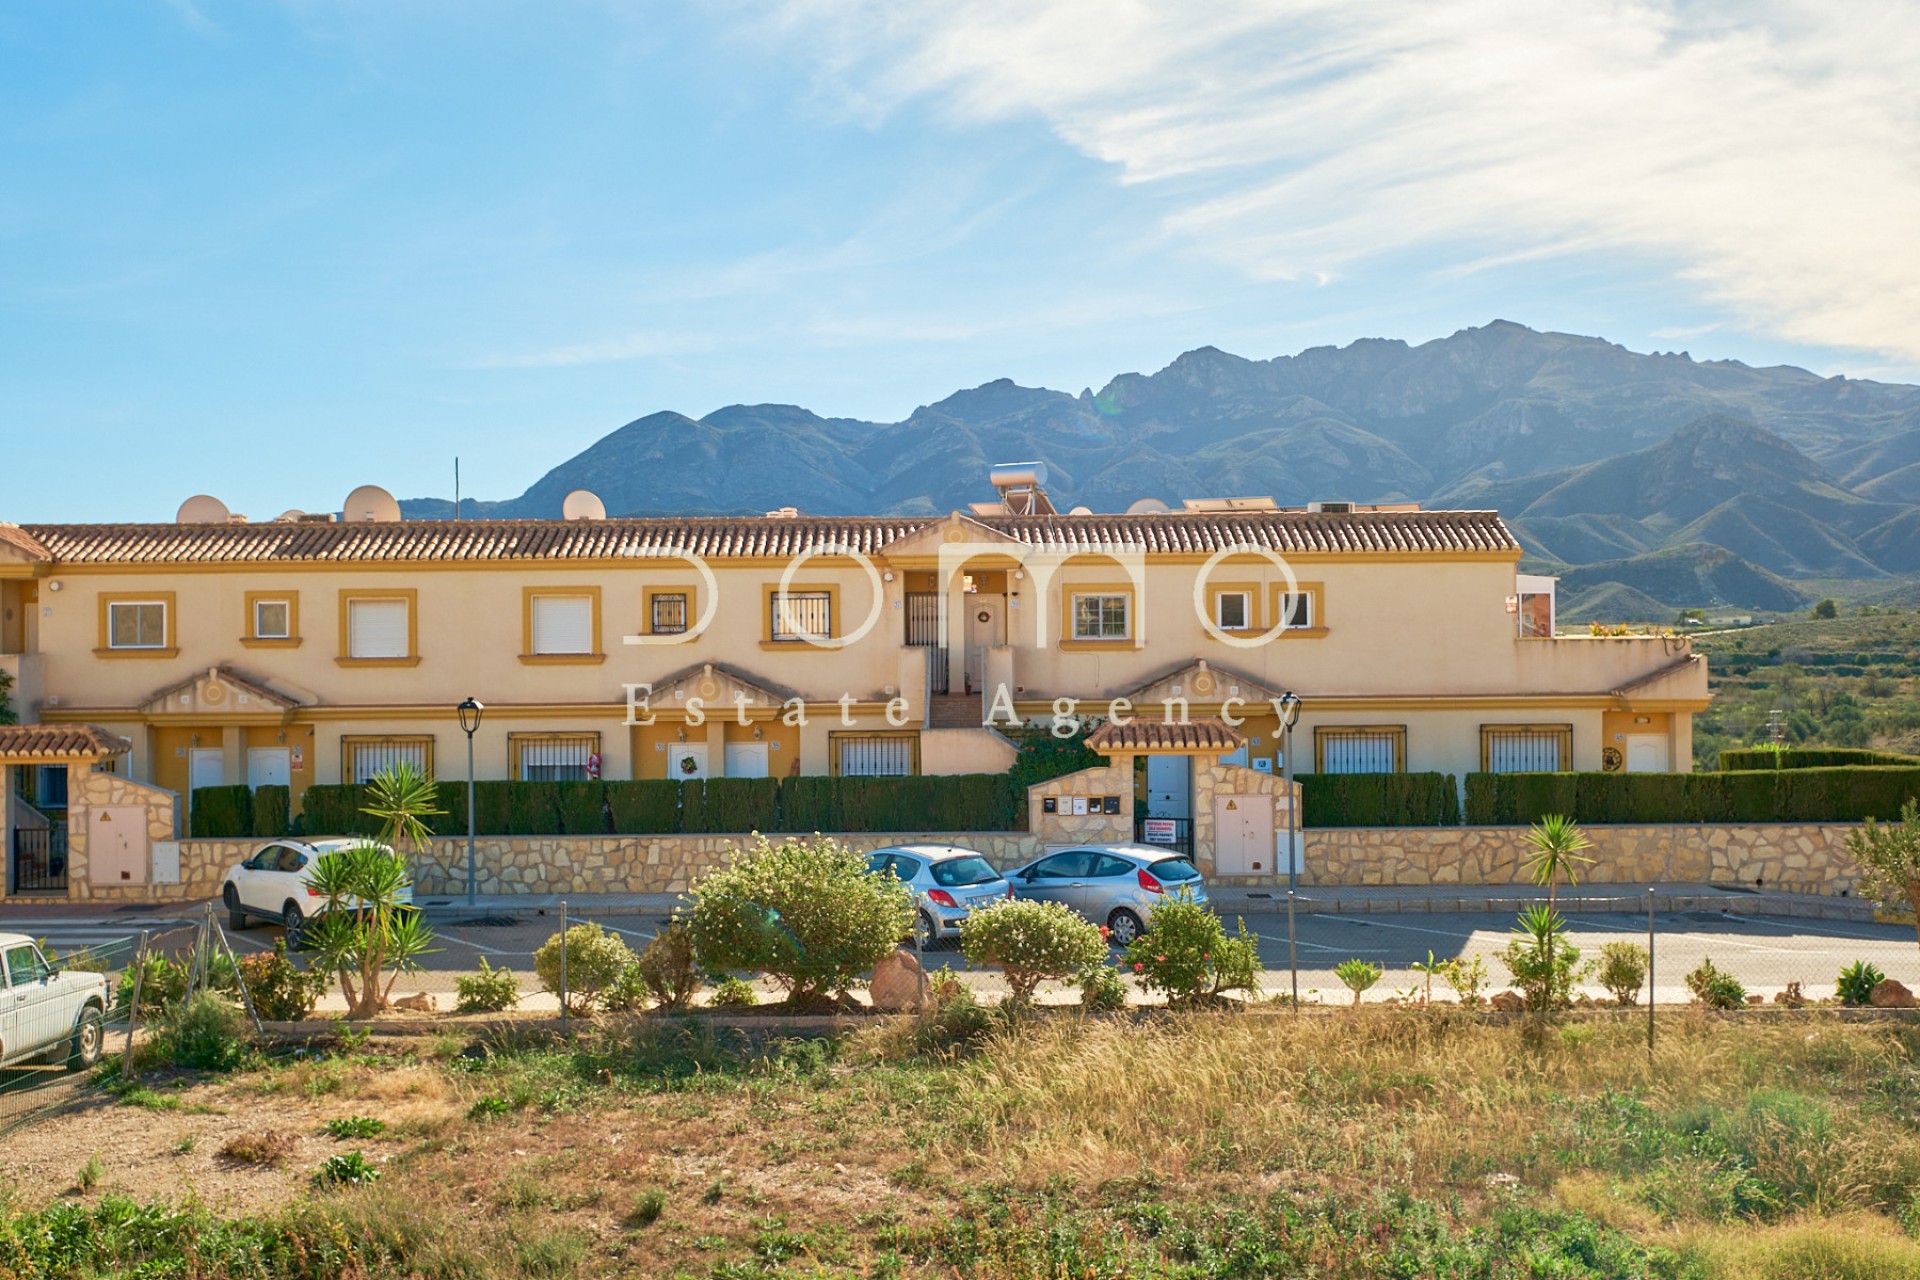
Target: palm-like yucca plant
{"type": "Point", "coordinates": [366, 930]}
{"type": "Point", "coordinates": [1556, 844]}
{"type": "Point", "coordinates": [1358, 975]}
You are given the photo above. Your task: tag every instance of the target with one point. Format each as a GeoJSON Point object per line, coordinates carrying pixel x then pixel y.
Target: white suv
{"type": "Point", "coordinates": [277, 884]}
{"type": "Point", "coordinates": [44, 1012]}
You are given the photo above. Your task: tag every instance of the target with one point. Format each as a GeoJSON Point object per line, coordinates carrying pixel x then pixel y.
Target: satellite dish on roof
{"type": "Point", "coordinates": [202, 509]}
{"type": "Point", "coordinates": [1147, 507]}
{"type": "Point", "coordinates": [1081, 511]}
{"type": "Point", "coordinates": [370, 504]}
{"type": "Point", "coordinates": [583, 504]}
{"type": "Point", "coordinates": [289, 517]}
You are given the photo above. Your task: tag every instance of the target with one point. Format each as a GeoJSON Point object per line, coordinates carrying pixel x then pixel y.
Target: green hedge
{"type": "Point", "coordinates": [272, 812]}
{"type": "Point", "coordinates": [1379, 800]}
{"type": "Point", "coordinates": [221, 813]}
{"type": "Point", "coordinates": [644, 807]}
{"type": "Point", "coordinates": [1739, 758]}
{"type": "Point", "coordinates": [1846, 793]}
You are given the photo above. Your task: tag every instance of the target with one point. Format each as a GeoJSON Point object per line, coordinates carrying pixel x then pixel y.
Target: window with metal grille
{"type": "Point", "coordinates": [1232, 610]}
{"type": "Point", "coordinates": [378, 629]}
{"type": "Point", "coordinates": [1526, 748]}
{"type": "Point", "coordinates": [1102, 617]}
{"type": "Point", "coordinates": [669, 613]}
{"type": "Point", "coordinates": [1297, 609]}
{"type": "Point", "coordinates": [802, 615]}
{"type": "Point", "coordinates": [1360, 749]}
{"type": "Point", "coordinates": [137, 624]}
{"type": "Point", "coordinates": [555, 757]}
{"type": "Point", "coordinates": [923, 619]}
{"type": "Point", "coordinates": [272, 620]}
{"type": "Point", "coordinates": [367, 758]}
{"type": "Point", "coordinates": [563, 624]}
{"type": "Point", "coordinates": [874, 755]}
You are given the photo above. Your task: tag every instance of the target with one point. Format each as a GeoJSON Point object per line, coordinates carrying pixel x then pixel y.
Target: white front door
{"type": "Point", "coordinates": [686, 760]}
{"type": "Point", "coordinates": [746, 759]}
{"type": "Point", "coordinates": [269, 767]}
{"type": "Point", "coordinates": [1646, 753]}
{"type": "Point", "coordinates": [986, 629]}
{"type": "Point", "coordinates": [1169, 787]}
{"type": "Point", "coordinates": [206, 767]}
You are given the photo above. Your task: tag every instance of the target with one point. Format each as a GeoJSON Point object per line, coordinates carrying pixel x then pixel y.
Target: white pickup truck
{"type": "Point", "coordinates": [47, 1013]}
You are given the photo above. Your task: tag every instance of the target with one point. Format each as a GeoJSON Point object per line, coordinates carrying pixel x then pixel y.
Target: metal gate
{"type": "Point", "coordinates": [923, 632]}
{"type": "Point", "coordinates": [39, 858]}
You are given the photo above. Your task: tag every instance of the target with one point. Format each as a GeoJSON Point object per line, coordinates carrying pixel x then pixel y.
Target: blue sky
{"type": "Point", "coordinates": [273, 250]}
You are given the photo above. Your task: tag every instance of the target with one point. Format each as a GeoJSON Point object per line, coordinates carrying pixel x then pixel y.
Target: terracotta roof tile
{"type": "Point", "coordinates": [30, 742]}
{"type": "Point", "coordinates": [14, 536]}
{"type": "Point", "coordinates": [1201, 735]}
{"type": "Point", "coordinates": [728, 537]}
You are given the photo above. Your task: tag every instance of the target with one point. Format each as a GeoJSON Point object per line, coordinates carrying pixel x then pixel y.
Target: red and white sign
{"type": "Point", "coordinates": [1159, 831]}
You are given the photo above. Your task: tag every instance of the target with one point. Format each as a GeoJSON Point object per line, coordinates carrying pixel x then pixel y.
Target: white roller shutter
{"type": "Point", "coordinates": [377, 629]}
{"type": "Point", "coordinates": [562, 624]}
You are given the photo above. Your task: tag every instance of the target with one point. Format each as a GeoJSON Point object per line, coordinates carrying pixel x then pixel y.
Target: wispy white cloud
{"type": "Point", "coordinates": [1760, 151]}
{"type": "Point", "coordinates": [644, 345]}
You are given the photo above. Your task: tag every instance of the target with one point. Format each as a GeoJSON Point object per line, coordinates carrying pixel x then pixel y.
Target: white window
{"type": "Point", "coordinates": [558, 757]}
{"type": "Point", "coordinates": [1102, 617]}
{"type": "Point", "coordinates": [563, 624]}
{"type": "Point", "coordinates": [378, 629]}
{"type": "Point", "coordinates": [802, 615]}
{"type": "Point", "coordinates": [1233, 610]}
{"type": "Point", "coordinates": [137, 624]}
{"type": "Point", "coordinates": [877, 756]}
{"type": "Point", "coordinates": [272, 620]}
{"type": "Point", "coordinates": [1526, 748]}
{"type": "Point", "coordinates": [1359, 750]}
{"type": "Point", "coordinates": [1297, 609]}
{"type": "Point", "coordinates": [367, 758]}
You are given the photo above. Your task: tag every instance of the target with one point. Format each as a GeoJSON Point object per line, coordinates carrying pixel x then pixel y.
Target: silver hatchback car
{"type": "Point", "coordinates": [1117, 885]}
{"type": "Point", "coordinates": [947, 884]}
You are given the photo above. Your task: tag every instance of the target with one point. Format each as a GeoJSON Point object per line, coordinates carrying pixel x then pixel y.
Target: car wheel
{"type": "Point", "coordinates": [1123, 927]}
{"type": "Point", "coordinates": [236, 917]}
{"type": "Point", "coordinates": [929, 937]}
{"type": "Point", "coordinates": [296, 927]}
{"type": "Point", "coordinates": [89, 1038]}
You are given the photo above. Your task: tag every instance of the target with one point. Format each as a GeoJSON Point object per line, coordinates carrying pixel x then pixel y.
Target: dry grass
{"type": "Point", "coordinates": [268, 1147]}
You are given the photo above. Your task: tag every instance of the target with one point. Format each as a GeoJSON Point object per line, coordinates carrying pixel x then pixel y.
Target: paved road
{"type": "Point", "coordinates": [1765, 953]}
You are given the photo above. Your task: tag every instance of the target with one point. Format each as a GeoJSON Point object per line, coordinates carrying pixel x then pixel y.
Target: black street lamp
{"type": "Point", "coordinates": [470, 712]}
{"type": "Point", "coordinates": [1289, 713]}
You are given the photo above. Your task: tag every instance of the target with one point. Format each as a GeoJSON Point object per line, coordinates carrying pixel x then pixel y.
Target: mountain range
{"type": "Point", "coordinates": [1650, 481]}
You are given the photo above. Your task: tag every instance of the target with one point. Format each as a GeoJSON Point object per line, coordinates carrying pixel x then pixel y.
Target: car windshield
{"type": "Point", "coordinates": [962, 871]}
{"type": "Point", "coordinates": [1174, 869]}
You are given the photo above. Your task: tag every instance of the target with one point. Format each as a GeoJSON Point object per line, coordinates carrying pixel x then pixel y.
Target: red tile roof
{"type": "Point", "coordinates": [728, 537]}
{"type": "Point", "coordinates": [1203, 735]}
{"type": "Point", "coordinates": [27, 743]}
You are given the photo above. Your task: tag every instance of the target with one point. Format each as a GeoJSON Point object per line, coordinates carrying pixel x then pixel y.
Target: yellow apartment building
{"type": "Point", "coordinates": [318, 649]}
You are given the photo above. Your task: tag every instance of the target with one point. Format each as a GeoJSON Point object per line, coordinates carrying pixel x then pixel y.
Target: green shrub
{"type": "Point", "coordinates": [1715, 987]}
{"type": "Point", "coordinates": [1188, 956]}
{"type": "Point", "coordinates": [1378, 800]}
{"type": "Point", "coordinates": [280, 990]}
{"type": "Point", "coordinates": [489, 990]}
{"type": "Point", "coordinates": [343, 1127]}
{"type": "Point", "coordinates": [1857, 981]}
{"type": "Point", "coordinates": [1102, 989]}
{"type": "Point", "coordinates": [734, 993]}
{"type": "Point", "coordinates": [206, 1033]}
{"type": "Point", "coordinates": [1544, 965]}
{"type": "Point", "coordinates": [1821, 793]}
{"type": "Point", "coordinates": [730, 805]}
{"type": "Point", "coordinates": [666, 967]}
{"type": "Point", "coordinates": [1031, 942]}
{"type": "Point", "coordinates": [272, 812]}
{"type": "Point", "coordinates": [647, 807]}
{"type": "Point", "coordinates": [810, 803]}
{"type": "Point", "coordinates": [1623, 970]}
{"type": "Point", "coordinates": [345, 1170]}
{"type": "Point", "coordinates": [337, 810]}
{"type": "Point", "coordinates": [582, 807]}
{"type": "Point", "coordinates": [1358, 976]}
{"type": "Point", "coordinates": [1736, 758]}
{"type": "Point", "coordinates": [161, 982]}
{"type": "Point", "coordinates": [1466, 975]}
{"type": "Point", "coordinates": [805, 911]}
{"type": "Point", "coordinates": [595, 960]}
{"type": "Point", "coordinates": [221, 813]}
{"type": "Point", "coordinates": [627, 993]}
{"type": "Point", "coordinates": [647, 1207]}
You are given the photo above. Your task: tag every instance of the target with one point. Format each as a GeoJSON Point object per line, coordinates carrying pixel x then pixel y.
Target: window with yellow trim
{"type": "Point", "coordinates": [363, 759]}
{"type": "Point", "coordinates": [555, 757]}
{"type": "Point", "coordinates": [874, 755]}
{"type": "Point", "coordinates": [1526, 748]}
{"type": "Point", "coordinates": [801, 615]}
{"type": "Point", "coordinates": [138, 625]}
{"type": "Point", "coordinates": [379, 626]}
{"type": "Point", "coordinates": [1371, 748]}
{"type": "Point", "coordinates": [1102, 615]}
{"type": "Point", "coordinates": [273, 618]}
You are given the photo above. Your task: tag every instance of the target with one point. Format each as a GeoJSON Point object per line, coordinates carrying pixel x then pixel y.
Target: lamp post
{"type": "Point", "coordinates": [1290, 712]}
{"type": "Point", "coordinates": [470, 712]}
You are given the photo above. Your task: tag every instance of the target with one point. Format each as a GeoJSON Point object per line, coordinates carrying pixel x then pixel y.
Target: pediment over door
{"type": "Point", "coordinates": [218, 691]}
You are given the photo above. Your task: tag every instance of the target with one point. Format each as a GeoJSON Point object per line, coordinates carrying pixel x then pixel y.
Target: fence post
{"type": "Point", "coordinates": [1293, 962]}
{"type": "Point", "coordinates": [1650, 975]}
{"type": "Point", "coordinates": [133, 1005]}
{"type": "Point", "coordinates": [239, 978]}
{"type": "Point", "coordinates": [565, 1026]}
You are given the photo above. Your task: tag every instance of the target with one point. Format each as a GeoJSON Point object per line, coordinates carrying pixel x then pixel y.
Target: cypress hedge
{"type": "Point", "coordinates": [1379, 800]}
{"type": "Point", "coordinates": [1844, 793]}
{"type": "Point", "coordinates": [647, 807]}
{"type": "Point", "coordinates": [221, 813]}
{"type": "Point", "coordinates": [272, 812]}
{"type": "Point", "coordinates": [1740, 758]}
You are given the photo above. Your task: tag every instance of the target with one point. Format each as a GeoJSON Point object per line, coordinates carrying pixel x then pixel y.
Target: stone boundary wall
{"type": "Point", "coordinates": [1790, 857]}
